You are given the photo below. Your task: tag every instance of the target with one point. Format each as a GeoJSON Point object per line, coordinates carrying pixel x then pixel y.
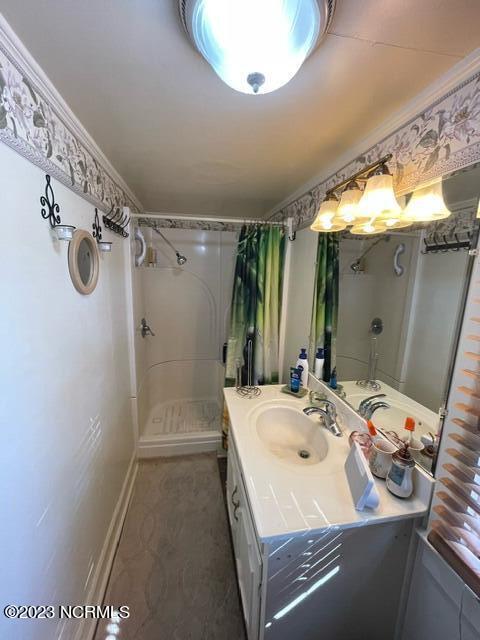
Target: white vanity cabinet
{"type": "Point", "coordinates": [245, 544]}
{"type": "Point", "coordinates": [327, 584]}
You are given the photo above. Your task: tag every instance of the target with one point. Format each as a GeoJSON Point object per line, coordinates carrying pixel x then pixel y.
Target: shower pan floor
{"type": "Point", "coordinates": [185, 416]}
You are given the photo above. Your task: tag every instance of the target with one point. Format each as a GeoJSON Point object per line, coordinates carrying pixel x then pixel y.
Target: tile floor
{"type": "Point", "coordinates": [174, 566]}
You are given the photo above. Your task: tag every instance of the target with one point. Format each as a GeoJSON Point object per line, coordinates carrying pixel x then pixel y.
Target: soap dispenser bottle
{"type": "Point", "coordinates": [319, 360]}
{"type": "Point", "coordinates": [302, 364]}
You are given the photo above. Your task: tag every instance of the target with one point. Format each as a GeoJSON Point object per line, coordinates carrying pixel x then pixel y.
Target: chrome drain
{"type": "Point", "coordinates": [303, 453]}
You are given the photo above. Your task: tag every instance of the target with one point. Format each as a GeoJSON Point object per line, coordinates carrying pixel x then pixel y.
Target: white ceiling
{"type": "Point", "coordinates": [186, 143]}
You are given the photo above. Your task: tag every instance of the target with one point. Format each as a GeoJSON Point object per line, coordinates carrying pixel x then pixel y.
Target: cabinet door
{"type": "Point", "coordinates": [247, 556]}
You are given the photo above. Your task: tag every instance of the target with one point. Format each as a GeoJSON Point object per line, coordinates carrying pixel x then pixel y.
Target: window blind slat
{"type": "Point", "coordinates": [474, 430]}
{"type": "Point", "coordinates": [472, 443]}
{"type": "Point", "coordinates": [471, 374]}
{"type": "Point", "coordinates": [465, 408]}
{"type": "Point", "coordinates": [468, 459]}
{"type": "Point", "coordinates": [469, 392]}
{"type": "Point", "coordinates": [464, 534]}
{"type": "Point", "coordinates": [461, 493]}
{"type": "Point", "coordinates": [462, 510]}
{"type": "Point", "coordinates": [465, 478]}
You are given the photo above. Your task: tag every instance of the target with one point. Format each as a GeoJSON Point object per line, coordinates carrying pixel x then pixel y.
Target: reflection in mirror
{"type": "Point", "coordinates": [84, 261]}
{"type": "Point", "coordinates": [401, 295]}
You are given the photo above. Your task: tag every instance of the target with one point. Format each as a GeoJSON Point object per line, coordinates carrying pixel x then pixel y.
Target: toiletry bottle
{"type": "Point", "coordinates": [319, 360]}
{"type": "Point", "coordinates": [373, 432]}
{"type": "Point", "coordinates": [295, 374]}
{"type": "Point", "coordinates": [333, 379]}
{"type": "Point", "coordinates": [399, 477]}
{"type": "Point", "coordinates": [303, 363]}
{"type": "Point", "coordinates": [410, 427]}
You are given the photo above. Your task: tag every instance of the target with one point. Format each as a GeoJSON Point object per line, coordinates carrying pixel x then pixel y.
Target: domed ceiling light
{"type": "Point", "coordinates": [256, 46]}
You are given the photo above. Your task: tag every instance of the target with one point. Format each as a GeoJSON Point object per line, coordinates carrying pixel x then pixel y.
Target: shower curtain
{"type": "Point", "coordinates": [256, 304]}
{"type": "Point", "coordinates": [323, 328]}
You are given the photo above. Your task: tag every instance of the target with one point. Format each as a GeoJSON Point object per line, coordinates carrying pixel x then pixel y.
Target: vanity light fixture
{"type": "Point", "coordinates": [256, 46]}
{"type": "Point", "coordinates": [348, 206]}
{"type": "Point", "coordinates": [327, 220]}
{"type": "Point", "coordinates": [102, 245]}
{"type": "Point", "coordinates": [427, 204]}
{"type": "Point", "coordinates": [369, 228]}
{"type": "Point", "coordinates": [376, 209]}
{"type": "Point", "coordinates": [51, 212]}
{"type": "Point", "coordinates": [378, 199]}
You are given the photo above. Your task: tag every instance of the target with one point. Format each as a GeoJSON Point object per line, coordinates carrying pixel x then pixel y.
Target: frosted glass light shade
{"type": "Point", "coordinates": [427, 204]}
{"type": "Point", "coordinates": [348, 209]}
{"type": "Point", "coordinates": [369, 228]}
{"type": "Point", "coordinates": [379, 198]}
{"type": "Point", "coordinates": [327, 219]}
{"type": "Point", "coordinates": [256, 46]}
{"type": "Point", "coordinates": [396, 222]}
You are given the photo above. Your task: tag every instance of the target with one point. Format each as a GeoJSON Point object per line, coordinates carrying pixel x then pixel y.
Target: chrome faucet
{"type": "Point", "coordinates": [364, 404]}
{"type": "Point", "coordinates": [371, 408]}
{"type": "Point", "coordinates": [328, 414]}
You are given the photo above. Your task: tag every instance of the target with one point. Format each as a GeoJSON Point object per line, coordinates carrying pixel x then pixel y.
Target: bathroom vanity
{"type": "Point", "coordinates": [308, 564]}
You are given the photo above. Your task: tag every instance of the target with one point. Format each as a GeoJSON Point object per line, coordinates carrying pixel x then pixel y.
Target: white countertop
{"type": "Point", "coordinates": [291, 500]}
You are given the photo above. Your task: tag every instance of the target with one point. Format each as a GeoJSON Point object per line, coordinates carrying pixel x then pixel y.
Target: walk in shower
{"type": "Point", "coordinates": [180, 372]}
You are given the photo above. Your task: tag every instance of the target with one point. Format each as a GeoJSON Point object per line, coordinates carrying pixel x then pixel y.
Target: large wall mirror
{"type": "Point", "coordinates": [401, 300]}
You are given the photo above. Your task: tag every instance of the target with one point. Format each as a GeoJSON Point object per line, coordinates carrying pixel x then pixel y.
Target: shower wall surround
{"type": "Point", "coordinates": [187, 307]}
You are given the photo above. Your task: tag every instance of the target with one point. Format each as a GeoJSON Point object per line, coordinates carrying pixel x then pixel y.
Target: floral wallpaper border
{"type": "Point", "coordinates": [443, 138]}
{"type": "Point", "coordinates": [32, 126]}
{"type": "Point", "coordinates": [176, 223]}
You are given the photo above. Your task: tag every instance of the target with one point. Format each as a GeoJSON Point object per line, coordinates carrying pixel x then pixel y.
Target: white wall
{"type": "Point", "coordinates": [300, 297]}
{"type": "Point", "coordinates": [440, 606]}
{"type": "Point", "coordinates": [439, 284]}
{"type": "Point", "coordinates": [66, 423]}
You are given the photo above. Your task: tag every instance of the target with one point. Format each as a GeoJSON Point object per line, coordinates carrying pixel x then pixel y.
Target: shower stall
{"type": "Point", "coordinates": [183, 291]}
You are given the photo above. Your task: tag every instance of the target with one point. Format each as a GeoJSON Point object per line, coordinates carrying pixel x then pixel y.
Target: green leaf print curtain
{"type": "Point", "coordinates": [256, 304]}
{"type": "Point", "coordinates": [323, 329]}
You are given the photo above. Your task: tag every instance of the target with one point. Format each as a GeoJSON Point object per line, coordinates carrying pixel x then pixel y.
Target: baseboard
{"type": "Point", "coordinates": [86, 628]}
{"type": "Point", "coordinates": [184, 444]}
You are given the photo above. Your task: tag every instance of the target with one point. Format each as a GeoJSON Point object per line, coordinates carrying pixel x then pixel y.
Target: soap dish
{"type": "Point", "coordinates": [296, 394]}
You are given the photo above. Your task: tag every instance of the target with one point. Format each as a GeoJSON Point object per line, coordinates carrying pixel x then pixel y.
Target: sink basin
{"type": "Point", "coordinates": [290, 435]}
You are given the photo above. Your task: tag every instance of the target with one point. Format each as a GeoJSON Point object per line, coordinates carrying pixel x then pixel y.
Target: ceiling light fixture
{"type": "Point", "coordinates": [256, 46]}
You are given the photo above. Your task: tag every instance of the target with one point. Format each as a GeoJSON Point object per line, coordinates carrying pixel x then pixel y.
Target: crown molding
{"type": "Point", "coordinates": [14, 54]}
{"type": "Point", "coordinates": [448, 84]}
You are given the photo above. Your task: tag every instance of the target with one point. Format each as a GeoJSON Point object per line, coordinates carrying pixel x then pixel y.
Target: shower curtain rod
{"type": "Point", "coordinates": [174, 216]}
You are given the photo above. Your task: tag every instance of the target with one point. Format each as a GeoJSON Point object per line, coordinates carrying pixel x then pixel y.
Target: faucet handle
{"type": "Point", "coordinates": [330, 407]}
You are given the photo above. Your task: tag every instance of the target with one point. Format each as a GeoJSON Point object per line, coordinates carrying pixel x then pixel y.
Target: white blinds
{"type": "Point", "coordinates": [454, 527]}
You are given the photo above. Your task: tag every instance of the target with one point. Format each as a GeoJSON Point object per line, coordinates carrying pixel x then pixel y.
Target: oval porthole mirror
{"type": "Point", "coordinates": [83, 261]}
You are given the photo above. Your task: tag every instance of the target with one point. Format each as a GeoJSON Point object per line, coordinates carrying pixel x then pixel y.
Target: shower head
{"type": "Point", "coordinates": [181, 260]}
{"type": "Point", "coordinates": [357, 266]}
